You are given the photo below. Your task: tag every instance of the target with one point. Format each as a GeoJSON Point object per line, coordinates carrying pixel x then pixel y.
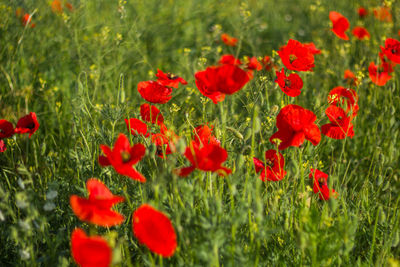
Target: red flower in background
{"type": "Point", "coordinates": [290, 85]}
{"type": "Point", "coordinates": [27, 20]}
{"type": "Point", "coordinates": [313, 49]}
{"type": "Point", "coordinates": [153, 229]}
{"type": "Point", "coordinates": [297, 56]}
{"type": "Point", "coordinates": [229, 40]}
{"type": "Point", "coordinates": [90, 251]}
{"type": "Point", "coordinates": [6, 129]}
{"type": "Point", "coordinates": [203, 135]}
{"type": "Point", "coordinates": [3, 146]}
{"type": "Point", "coordinates": [151, 114]}
{"type": "Point", "coordinates": [272, 168]}
{"type": "Point", "coordinates": [383, 14]}
{"type": "Point", "coordinates": [27, 124]}
{"type": "Point", "coordinates": [97, 208]}
{"type": "Point", "coordinates": [166, 138]}
{"type": "Point", "coordinates": [230, 60]}
{"type": "Point", "coordinates": [56, 6]}
{"type": "Point", "coordinates": [379, 75]}
{"type": "Point", "coordinates": [321, 185]}
{"type": "Point", "coordinates": [206, 157]}
{"type": "Point", "coordinates": [340, 24]}
{"type": "Point", "coordinates": [340, 125]}
{"type": "Point", "coordinates": [253, 64]}
{"type": "Point", "coordinates": [360, 33]}
{"type": "Point", "coordinates": [268, 63]}
{"type": "Point", "coordinates": [340, 95]}
{"type": "Point", "coordinates": [123, 156]}
{"type": "Point", "coordinates": [169, 79]}
{"type": "Point", "coordinates": [392, 50]}
{"type": "Point", "coordinates": [154, 92]}
{"type": "Point", "coordinates": [362, 12]}
{"type": "Point", "coordinates": [295, 124]}
{"type": "Point", "coordinates": [136, 126]}
{"type": "Point", "coordinates": [350, 77]}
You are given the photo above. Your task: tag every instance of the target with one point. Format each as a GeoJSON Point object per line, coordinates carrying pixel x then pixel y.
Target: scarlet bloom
{"type": "Point", "coordinates": [151, 114]}
{"type": "Point", "coordinates": [153, 229]}
{"type": "Point", "coordinates": [340, 24]}
{"type": "Point", "coordinates": [165, 141]}
{"type": "Point", "coordinates": [253, 64]}
{"type": "Point", "coordinates": [383, 14]}
{"type": "Point", "coordinates": [313, 49]}
{"type": "Point", "coordinates": [272, 168]}
{"type": "Point", "coordinates": [136, 126]}
{"type": "Point", "coordinates": [296, 56]}
{"type": "Point", "coordinates": [362, 12]}
{"type": "Point", "coordinates": [56, 6]}
{"type": "Point", "coordinates": [216, 81]}
{"type": "Point", "coordinates": [27, 124]}
{"type": "Point", "coordinates": [320, 180]}
{"type": "Point", "coordinates": [295, 124]}
{"type": "Point", "coordinates": [154, 92]}
{"type": "Point", "coordinates": [203, 135]}
{"type": "Point", "coordinates": [230, 60]}
{"type": "Point", "coordinates": [169, 79]}
{"type": "Point", "coordinates": [3, 146]}
{"type": "Point", "coordinates": [90, 251]}
{"type": "Point", "coordinates": [392, 50]}
{"type": "Point", "coordinates": [340, 125]}
{"type": "Point", "coordinates": [97, 208]}
{"type": "Point", "coordinates": [123, 156]}
{"type": "Point", "coordinates": [340, 95]}
{"type": "Point", "coordinates": [290, 85]}
{"type": "Point", "coordinates": [379, 75]}
{"type": "Point", "coordinates": [6, 129]}
{"type": "Point", "coordinates": [229, 40]}
{"type": "Point", "coordinates": [27, 20]}
{"type": "Point", "coordinates": [350, 77]}
{"type": "Point", "coordinates": [268, 63]}
{"type": "Point", "coordinates": [69, 6]}
{"type": "Point", "coordinates": [205, 157]}
{"type": "Point", "coordinates": [360, 33]}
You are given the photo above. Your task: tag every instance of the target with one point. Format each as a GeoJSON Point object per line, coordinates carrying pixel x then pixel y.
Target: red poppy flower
{"type": "Point", "coordinates": [229, 59]}
{"type": "Point", "coordinates": [268, 63]}
{"type": "Point", "coordinates": [383, 14]}
{"type": "Point", "coordinates": [154, 92]}
{"type": "Point", "coordinates": [3, 146]}
{"type": "Point", "coordinates": [313, 49]}
{"type": "Point", "coordinates": [153, 229]}
{"type": "Point", "coordinates": [379, 75]}
{"type": "Point", "coordinates": [392, 50]}
{"type": "Point", "coordinates": [97, 208]}
{"type": "Point", "coordinates": [169, 79]}
{"type": "Point", "coordinates": [362, 12]}
{"type": "Point", "coordinates": [216, 81]}
{"type": "Point", "coordinates": [136, 126]}
{"type": "Point", "coordinates": [253, 64]}
{"type": "Point", "coordinates": [27, 124]}
{"type": "Point", "coordinates": [340, 95]}
{"type": "Point", "coordinates": [151, 114]}
{"type": "Point", "coordinates": [203, 135]}
{"type": "Point", "coordinates": [56, 6]}
{"type": "Point", "coordinates": [272, 168]}
{"type": "Point", "coordinates": [290, 85]}
{"type": "Point", "coordinates": [27, 20]}
{"type": "Point", "coordinates": [123, 156]}
{"type": "Point", "coordinates": [206, 157]}
{"type": "Point", "coordinates": [340, 25]}
{"type": "Point", "coordinates": [296, 56]}
{"type": "Point", "coordinates": [350, 77]}
{"type": "Point", "coordinates": [165, 139]}
{"type": "Point", "coordinates": [340, 125]}
{"type": "Point", "coordinates": [360, 33]}
{"type": "Point", "coordinates": [19, 12]}
{"type": "Point", "coordinates": [69, 6]}
{"type": "Point", "coordinates": [321, 185]}
{"type": "Point", "coordinates": [295, 124]}
{"type": "Point", "coordinates": [229, 40]}
{"type": "Point", "coordinates": [91, 251]}
{"type": "Point", "coordinates": [6, 129]}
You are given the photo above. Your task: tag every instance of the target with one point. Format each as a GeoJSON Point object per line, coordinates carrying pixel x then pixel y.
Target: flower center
{"type": "Point", "coordinates": [394, 51]}
{"type": "Point", "coordinates": [172, 76]}
{"type": "Point", "coordinates": [292, 58]}
{"type": "Point", "coordinates": [2, 131]}
{"type": "Point", "coordinates": [30, 126]}
{"type": "Point", "coordinates": [321, 182]}
{"type": "Point", "coordinates": [269, 163]}
{"type": "Point", "coordinates": [288, 83]}
{"type": "Point", "coordinates": [340, 118]}
{"type": "Point", "coordinates": [125, 156]}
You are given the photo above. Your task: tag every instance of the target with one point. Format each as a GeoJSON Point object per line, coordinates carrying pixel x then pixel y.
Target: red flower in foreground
{"type": "Point", "coordinates": [230, 60]}
{"type": "Point", "coordinates": [153, 229]}
{"type": "Point", "coordinates": [340, 125]}
{"type": "Point", "coordinates": [151, 114]}
{"type": "Point", "coordinates": [203, 135]}
{"type": "Point", "coordinates": [91, 251]}
{"type": "Point", "coordinates": [360, 33]}
{"type": "Point", "coordinates": [169, 79]}
{"type": "Point", "coordinates": [229, 40]}
{"type": "Point", "coordinates": [136, 126]}
{"type": "Point", "coordinates": [290, 85]}
{"type": "Point", "coordinates": [27, 124]}
{"type": "Point", "coordinates": [297, 56]}
{"type": "Point", "coordinates": [27, 20]}
{"type": "Point", "coordinates": [362, 12]}
{"type": "Point", "coordinates": [3, 146]}
{"type": "Point", "coordinates": [383, 14]}
{"type": "Point", "coordinates": [97, 208]}
{"type": "Point", "coordinates": [321, 185]}
{"type": "Point", "coordinates": [6, 129]}
{"type": "Point", "coordinates": [123, 156]}
{"type": "Point", "coordinates": [295, 124]}
{"type": "Point", "coordinates": [313, 49]}
{"type": "Point", "coordinates": [154, 92]}
{"type": "Point", "coordinates": [340, 96]}
{"type": "Point", "coordinates": [272, 168]}
{"type": "Point", "coordinates": [392, 50]}
{"type": "Point", "coordinates": [340, 24]}
{"type": "Point", "coordinates": [350, 77]}
{"type": "Point", "coordinates": [379, 75]}
{"type": "Point", "coordinates": [206, 157]}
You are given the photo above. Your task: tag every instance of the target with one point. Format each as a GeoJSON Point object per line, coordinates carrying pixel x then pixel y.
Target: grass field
{"type": "Point", "coordinates": [78, 70]}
